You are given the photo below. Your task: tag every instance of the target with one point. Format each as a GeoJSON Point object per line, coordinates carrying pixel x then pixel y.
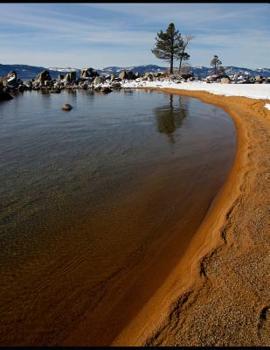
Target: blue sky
{"type": "Point", "coordinates": [105, 34]}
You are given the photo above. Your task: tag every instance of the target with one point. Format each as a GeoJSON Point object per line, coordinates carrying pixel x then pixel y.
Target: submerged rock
{"type": "Point", "coordinates": [67, 107]}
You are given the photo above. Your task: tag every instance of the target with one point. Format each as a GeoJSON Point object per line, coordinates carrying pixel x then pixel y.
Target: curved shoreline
{"type": "Point", "coordinates": [220, 238]}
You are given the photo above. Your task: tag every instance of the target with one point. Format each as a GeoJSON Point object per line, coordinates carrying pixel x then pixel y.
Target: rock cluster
{"type": "Point", "coordinates": [237, 79]}
{"type": "Point", "coordinates": [90, 79]}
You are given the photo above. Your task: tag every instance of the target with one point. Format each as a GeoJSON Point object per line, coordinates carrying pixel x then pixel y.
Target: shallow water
{"type": "Point", "coordinates": [98, 204]}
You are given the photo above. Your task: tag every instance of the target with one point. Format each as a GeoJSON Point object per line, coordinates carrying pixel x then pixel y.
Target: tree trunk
{"type": "Point", "coordinates": [171, 65]}
{"type": "Point", "coordinates": [172, 52]}
{"type": "Point", "coordinates": [180, 64]}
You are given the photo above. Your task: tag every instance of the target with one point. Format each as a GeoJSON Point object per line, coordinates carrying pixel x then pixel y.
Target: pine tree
{"type": "Point", "coordinates": [216, 63]}
{"type": "Point", "coordinates": [167, 45]}
{"type": "Point", "coordinates": [182, 55]}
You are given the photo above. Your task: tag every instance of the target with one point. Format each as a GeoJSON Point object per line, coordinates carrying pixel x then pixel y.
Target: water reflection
{"type": "Point", "coordinates": [169, 117]}
{"type": "Point", "coordinates": [72, 96]}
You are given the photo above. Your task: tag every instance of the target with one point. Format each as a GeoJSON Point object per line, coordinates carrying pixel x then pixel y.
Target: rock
{"type": "Point", "coordinates": [67, 107]}
{"type": "Point", "coordinates": [131, 75]}
{"type": "Point", "coordinates": [43, 77]}
{"type": "Point", "coordinates": [258, 79]}
{"type": "Point", "coordinates": [84, 86]}
{"type": "Point", "coordinates": [11, 79]}
{"type": "Point", "coordinates": [123, 75]}
{"type": "Point", "coordinates": [106, 89]}
{"type": "Point", "coordinates": [116, 85]}
{"type": "Point", "coordinates": [21, 88]}
{"type": "Point", "coordinates": [117, 79]}
{"type": "Point", "coordinates": [187, 76]}
{"type": "Point", "coordinates": [28, 84]}
{"type": "Point", "coordinates": [4, 95]}
{"type": "Point", "coordinates": [212, 78]}
{"type": "Point", "coordinates": [98, 80]}
{"type": "Point", "coordinates": [127, 75]}
{"type": "Point", "coordinates": [70, 77]}
{"type": "Point", "coordinates": [148, 75]}
{"type": "Point", "coordinates": [88, 73]}
{"type": "Point", "coordinates": [225, 81]}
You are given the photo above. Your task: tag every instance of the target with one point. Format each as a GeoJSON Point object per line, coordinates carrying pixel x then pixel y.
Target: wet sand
{"type": "Point", "coordinates": [219, 293]}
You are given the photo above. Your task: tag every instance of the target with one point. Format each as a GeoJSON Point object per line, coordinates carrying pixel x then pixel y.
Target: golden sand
{"type": "Point", "coordinates": [219, 293]}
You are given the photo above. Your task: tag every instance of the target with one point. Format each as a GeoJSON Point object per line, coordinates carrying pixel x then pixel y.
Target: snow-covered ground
{"type": "Point", "coordinates": [257, 91]}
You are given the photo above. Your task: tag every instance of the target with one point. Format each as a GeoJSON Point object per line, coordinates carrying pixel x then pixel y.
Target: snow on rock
{"type": "Point", "coordinates": [267, 105]}
{"type": "Point", "coordinates": [256, 91]}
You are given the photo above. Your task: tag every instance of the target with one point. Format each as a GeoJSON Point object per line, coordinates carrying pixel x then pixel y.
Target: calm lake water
{"type": "Point", "coordinates": [98, 204]}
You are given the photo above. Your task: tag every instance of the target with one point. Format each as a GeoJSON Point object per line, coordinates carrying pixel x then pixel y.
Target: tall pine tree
{"type": "Point", "coordinates": [167, 45]}
{"type": "Point", "coordinates": [216, 64]}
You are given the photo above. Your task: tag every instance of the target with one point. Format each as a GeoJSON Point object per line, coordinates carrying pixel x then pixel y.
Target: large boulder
{"type": "Point", "coordinates": [212, 78]}
{"type": "Point", "coordinates": [127, 75]}
{"type": "Point", "coordinates": [187, 76]}
{"type": "Point", "coordinates": [131, 75]}
{"type": "Point", "coordinates": [4, 95]}
{"type": "Point", "coordinates": [70, 77]}
{"type": "Point", "coordinates": [123, 75]}
{"type": "Point", "coordinates": [87, 73]}
{"type": "Point", "coordinates": [148, 76]}
{"type": "Point", "coordinates": [258, 79]}
{"type": "Point", "coordinates": [116, 85]}
{"type": "Point", "coordinates": [98, 80]}
{"type": "Point", "coordinates": [43, 77]}
{"type": "Point", "coordinates": [10, 80]}
{"type": "Point", "coordinates": [225, 80]}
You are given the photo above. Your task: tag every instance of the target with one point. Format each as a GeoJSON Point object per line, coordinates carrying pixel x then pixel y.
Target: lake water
{"type": "Point", "coordinates": [98, 205]}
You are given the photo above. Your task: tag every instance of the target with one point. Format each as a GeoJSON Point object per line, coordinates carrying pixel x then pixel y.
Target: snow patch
{"type": "Point", "coordinates": [256, 91]}
{"type": "Point", "coordinates": [267, 106]}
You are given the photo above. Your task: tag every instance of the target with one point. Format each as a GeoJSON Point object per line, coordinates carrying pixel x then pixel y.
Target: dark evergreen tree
{"type": "Point", "coordinates": [216, 64]}
{"type": "Point", "coordinates": [167, 45]}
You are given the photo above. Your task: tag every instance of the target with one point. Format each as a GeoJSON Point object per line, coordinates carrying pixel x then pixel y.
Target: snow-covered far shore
{"type": "Point", "coordinates": [256, 91]}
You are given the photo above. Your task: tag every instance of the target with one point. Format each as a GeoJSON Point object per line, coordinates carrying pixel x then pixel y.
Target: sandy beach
{"type": "Point", "coordinates": [218, 294]}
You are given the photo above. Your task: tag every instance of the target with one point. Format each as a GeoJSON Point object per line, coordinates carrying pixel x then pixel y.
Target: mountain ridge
{"type": "Point", "coordinates": [29, 72]}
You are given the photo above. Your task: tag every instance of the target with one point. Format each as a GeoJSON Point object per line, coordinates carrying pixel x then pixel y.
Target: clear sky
{"type": "Point", "coordinates": [100, 35]}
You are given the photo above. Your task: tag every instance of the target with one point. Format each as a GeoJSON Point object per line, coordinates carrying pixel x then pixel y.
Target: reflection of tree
{"type": "Point", "coordinates": [169, 117]}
